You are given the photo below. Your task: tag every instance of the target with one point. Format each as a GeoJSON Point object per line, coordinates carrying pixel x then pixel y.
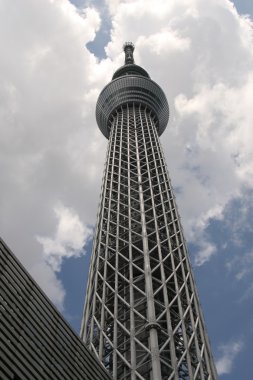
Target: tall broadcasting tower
{"type": "Point", "coordinates": [142, 316]}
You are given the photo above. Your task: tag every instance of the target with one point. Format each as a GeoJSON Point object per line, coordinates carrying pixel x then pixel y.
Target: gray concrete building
{"type": "Point", "coordinates": [35, 341]}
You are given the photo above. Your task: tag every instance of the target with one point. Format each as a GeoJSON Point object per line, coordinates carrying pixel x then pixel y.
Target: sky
{"type": "Point", "coordinates": [56, 56]}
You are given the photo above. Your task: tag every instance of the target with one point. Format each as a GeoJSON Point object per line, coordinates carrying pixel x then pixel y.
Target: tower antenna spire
{"type": "Point", "coordinates": [128, 48]}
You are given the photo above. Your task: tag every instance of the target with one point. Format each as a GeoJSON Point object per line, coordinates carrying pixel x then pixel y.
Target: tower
{"type": "Point", "coordinates": [142, 316]}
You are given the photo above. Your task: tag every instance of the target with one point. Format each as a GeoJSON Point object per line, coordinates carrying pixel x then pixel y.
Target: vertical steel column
{"type": "Point", "coordinates": [152, 326]}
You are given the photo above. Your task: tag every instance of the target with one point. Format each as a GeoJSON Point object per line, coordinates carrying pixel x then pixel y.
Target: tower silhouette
{"type": "Point", "coordinates": [142, 316]}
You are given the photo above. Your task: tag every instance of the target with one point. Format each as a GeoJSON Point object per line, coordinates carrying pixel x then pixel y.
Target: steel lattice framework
{"type": "Point", "coordinates": [142, 316]}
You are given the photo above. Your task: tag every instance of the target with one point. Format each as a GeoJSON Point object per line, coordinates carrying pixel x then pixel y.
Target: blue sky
{"type": "Point", "coordinates": [228, 317]}
{"type": "Point", "coordinates": [55, 59]}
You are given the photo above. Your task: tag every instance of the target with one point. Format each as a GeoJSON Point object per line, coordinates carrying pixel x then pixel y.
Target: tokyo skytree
{"type": "Point", "coordinates": [142, 316]}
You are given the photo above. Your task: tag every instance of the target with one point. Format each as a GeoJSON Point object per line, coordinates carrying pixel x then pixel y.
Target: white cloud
{"type": "Point", "coordinates": [70, 238]}
{"type": "Point", "coordinates": [206, 251]}
{"type": "Point", "coordinates": [241, 264]}
{"type": "Point", "coordinates": [201, 54]}
{"type": "Point", "coordinates": [229, 353]}
{"type": "Point", "coordinates": [51, 149]}
{"type": "Point", "coordinates": [47, 280]}
{"type": "Point", "coordinates": [241, 267]}
{"type": "Point", "coordinates": [47, 96]}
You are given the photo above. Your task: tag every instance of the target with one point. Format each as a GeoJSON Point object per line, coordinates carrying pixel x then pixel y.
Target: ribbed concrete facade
{"type": "Point", "coordinates": [142, 316]}
{"type": "Point", "coordinates": [35, 341]}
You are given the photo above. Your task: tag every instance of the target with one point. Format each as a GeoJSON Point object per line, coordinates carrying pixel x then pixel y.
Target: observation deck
{"type": "Point", "coordinates": [131, 84]}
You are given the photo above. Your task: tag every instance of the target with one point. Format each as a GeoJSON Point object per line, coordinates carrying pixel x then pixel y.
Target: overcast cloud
{"type": "Point", "coordinates": [51, 151]}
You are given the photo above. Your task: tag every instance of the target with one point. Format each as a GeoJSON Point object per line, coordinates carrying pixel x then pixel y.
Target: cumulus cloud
{"type": "Point", "coordinates": [51, 149]}
{"type": "Point", "coordinates": [70, 238]}
{"type": "Point", "coordinates": [47, 280]}
{"type": "Point", "coordinates": [241, 265]}
{"type": "Point", "coordinates": [206, 250]}
{"type": "Point", "coordinates": [229, 353]}
{"type": "Point", "coordinates": [49, 145]}
{"type": "Point", "coordinates": [201, 54]}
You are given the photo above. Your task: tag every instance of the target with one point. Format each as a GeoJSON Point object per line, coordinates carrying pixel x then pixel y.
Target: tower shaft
{"type": "Point", "coordinates": [142, 316]}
